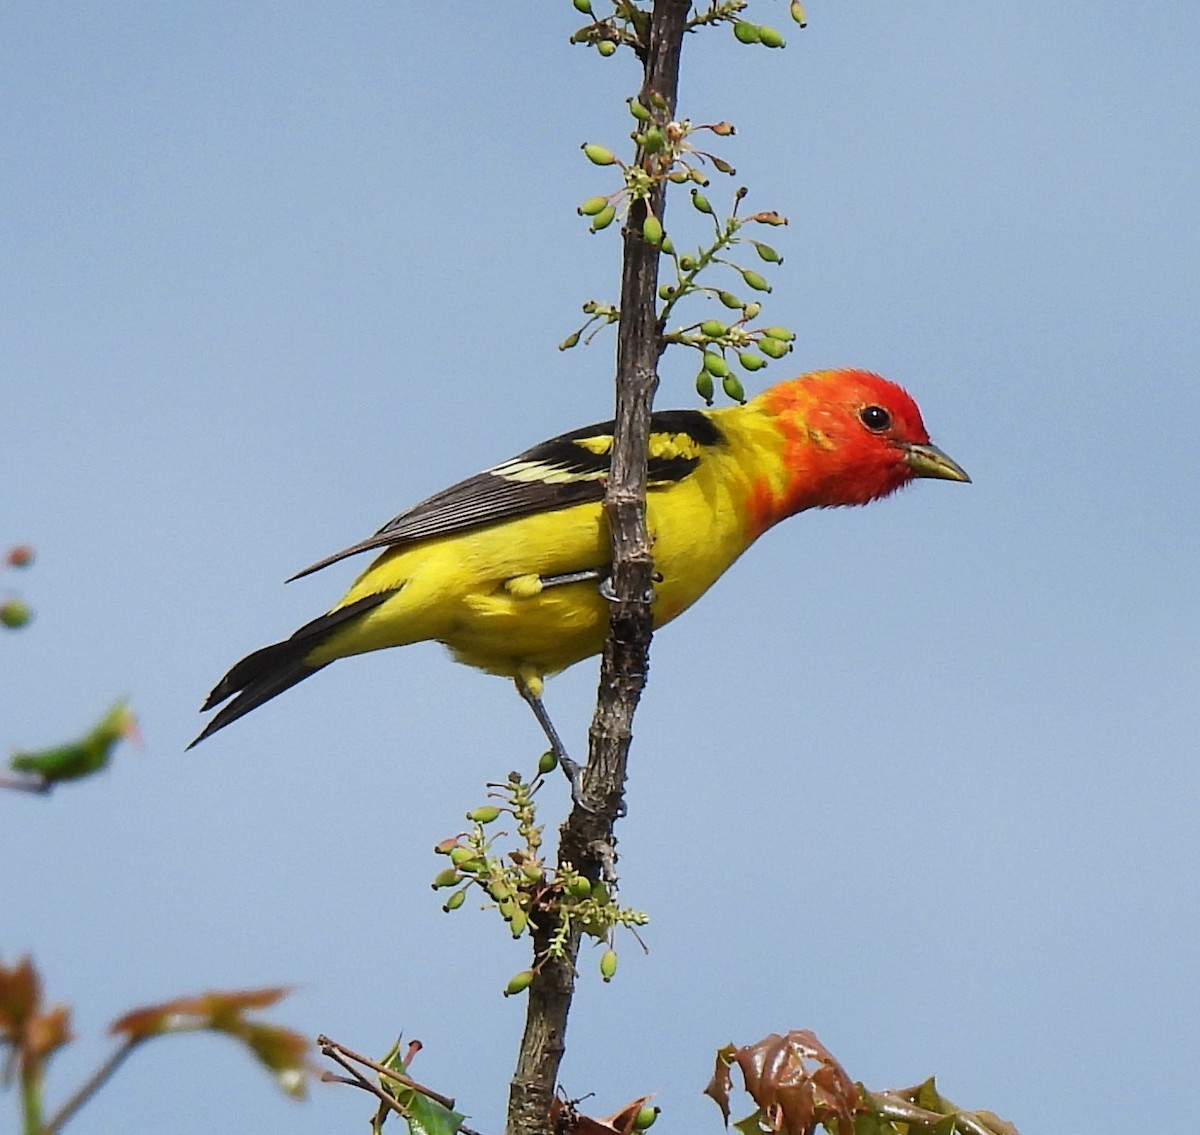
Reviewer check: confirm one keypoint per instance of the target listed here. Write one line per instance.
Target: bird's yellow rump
(506, 568)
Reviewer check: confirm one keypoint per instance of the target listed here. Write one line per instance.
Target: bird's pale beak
(929, 461)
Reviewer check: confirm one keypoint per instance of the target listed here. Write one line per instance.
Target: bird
(509, 568)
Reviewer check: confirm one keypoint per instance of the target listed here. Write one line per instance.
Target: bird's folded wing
(566, 470)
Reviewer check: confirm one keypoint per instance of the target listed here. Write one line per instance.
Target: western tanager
(508, 567)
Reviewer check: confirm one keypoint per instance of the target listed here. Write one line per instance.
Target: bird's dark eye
(875, 418)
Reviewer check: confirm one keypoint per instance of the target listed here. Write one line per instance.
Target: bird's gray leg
(529, 687)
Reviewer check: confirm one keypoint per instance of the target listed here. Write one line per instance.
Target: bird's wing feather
(566, 470)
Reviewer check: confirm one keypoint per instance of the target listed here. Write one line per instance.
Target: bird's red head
(851, 437)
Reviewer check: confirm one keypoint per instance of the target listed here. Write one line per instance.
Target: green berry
(769, 37)
(781, 333)
(14, 614)
(570, 341)
(751, 310)
(668, 246)
(592, 206)
(713, 328)
(454, 901)
(797, 11)
(580, 888)
(730, 301)
(715, 365)
(653, 140)
(767, 253)
(518, 983)
(645, 1118)
(755, 281)
(746, 32)
(638, 111)
(687, 263)
(604, 218)
(665, 291)
(517, 923)
(447, 878)
(701, 202)
(547, 762)
(773, 348)
(598, 155)
(704, 387)
(584, 6)
(652, 230)
(733, 388)
(606, 47)
(751, 362)
(608, 964)
(484, 814)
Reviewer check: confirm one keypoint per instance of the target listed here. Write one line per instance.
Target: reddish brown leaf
(795, 1080)
(48, 1032)
(216, 1010)
(20, 998)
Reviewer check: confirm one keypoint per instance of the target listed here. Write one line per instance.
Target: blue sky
(921, 777)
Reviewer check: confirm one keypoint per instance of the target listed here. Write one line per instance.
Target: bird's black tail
(258, 677)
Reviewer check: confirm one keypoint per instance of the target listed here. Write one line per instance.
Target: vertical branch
(586, 840)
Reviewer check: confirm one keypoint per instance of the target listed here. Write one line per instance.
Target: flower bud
(746, 32)
(598, 155)
(518, 983)
(608, 964)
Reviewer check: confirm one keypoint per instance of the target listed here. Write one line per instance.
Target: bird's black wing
(566, 470)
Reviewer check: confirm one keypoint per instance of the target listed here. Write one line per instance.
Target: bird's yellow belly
(481, 594)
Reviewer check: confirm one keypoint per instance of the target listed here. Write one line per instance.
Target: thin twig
(89, 1087)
